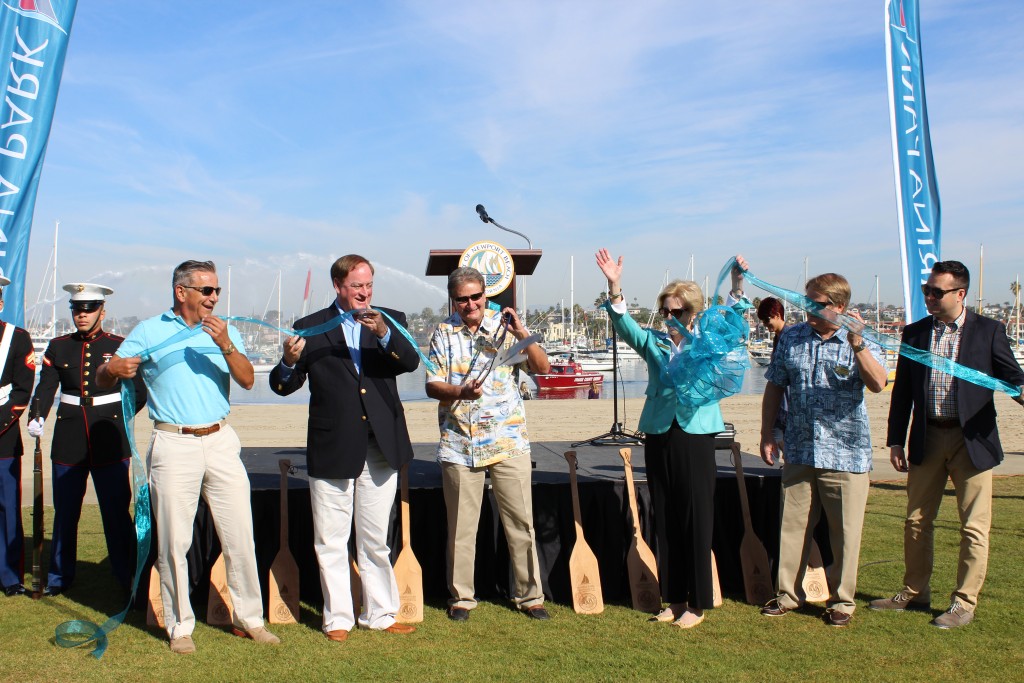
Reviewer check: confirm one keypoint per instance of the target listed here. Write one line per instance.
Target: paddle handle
(626, 455)
(570, 457)
(284, 466)
(741, 484)
(404, 487)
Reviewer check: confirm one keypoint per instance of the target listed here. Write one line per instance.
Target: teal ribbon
(336, 322)
(81, 632)
(890, 343)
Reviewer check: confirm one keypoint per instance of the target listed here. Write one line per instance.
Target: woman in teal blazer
(680, 445)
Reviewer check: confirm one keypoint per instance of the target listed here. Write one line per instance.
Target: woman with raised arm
(680, 444)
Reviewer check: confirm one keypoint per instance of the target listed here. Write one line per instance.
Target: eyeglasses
(469, 297)
(205, 291)
(674, 312)
(357, 286)
(937, 293)
(85, 306)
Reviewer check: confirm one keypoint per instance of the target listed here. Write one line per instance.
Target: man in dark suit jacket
(953, 435)
(356, 441)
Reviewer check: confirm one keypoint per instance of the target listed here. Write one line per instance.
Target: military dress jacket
(19, 372)
(92, 432)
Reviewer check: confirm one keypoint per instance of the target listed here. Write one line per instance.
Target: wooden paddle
(355, 582)
(815, 583)
(757, 575)
(716, 587)
(584, 575)
(218, 607)
(408, 574)
(283, 603)
(155, 604)
(643, 568)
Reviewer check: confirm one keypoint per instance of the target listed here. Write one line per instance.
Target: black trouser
(681, 476)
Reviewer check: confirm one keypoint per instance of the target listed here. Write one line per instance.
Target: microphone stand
(615, 436)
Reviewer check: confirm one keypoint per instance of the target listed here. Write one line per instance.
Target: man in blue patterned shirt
(828, 444)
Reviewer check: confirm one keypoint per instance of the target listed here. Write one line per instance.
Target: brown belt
(943, 422)
(191, 431)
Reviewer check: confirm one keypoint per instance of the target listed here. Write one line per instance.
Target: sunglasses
(937, 293)
(85, 306)
(674, 312)
(469, 297)
(205, 291)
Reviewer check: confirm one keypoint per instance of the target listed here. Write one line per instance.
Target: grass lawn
(735, 643)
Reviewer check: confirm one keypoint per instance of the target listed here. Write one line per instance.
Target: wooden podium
(443, 261)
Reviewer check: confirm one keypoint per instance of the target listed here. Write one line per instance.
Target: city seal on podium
(493, 261)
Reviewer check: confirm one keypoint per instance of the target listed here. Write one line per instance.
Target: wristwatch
(230, 350)
(857, 348)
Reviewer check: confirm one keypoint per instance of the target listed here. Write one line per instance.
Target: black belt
(943, 422)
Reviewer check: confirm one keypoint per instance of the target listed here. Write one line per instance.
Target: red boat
(566, 375)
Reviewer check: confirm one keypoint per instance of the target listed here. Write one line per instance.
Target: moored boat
(566, 375)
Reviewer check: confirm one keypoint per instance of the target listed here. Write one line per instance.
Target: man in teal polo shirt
(191, 356)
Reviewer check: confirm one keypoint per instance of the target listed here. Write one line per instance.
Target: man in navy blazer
(953, 435)
(356, 441)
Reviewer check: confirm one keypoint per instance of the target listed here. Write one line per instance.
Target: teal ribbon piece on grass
(890, 343)
(81, 632)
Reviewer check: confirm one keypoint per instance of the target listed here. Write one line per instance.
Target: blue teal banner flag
(917, 192)
(33, 42)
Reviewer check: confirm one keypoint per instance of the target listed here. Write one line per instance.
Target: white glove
(35, 427)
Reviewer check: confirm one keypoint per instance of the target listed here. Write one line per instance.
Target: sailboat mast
(1016, 308)
(878, 305)
(53, 314)
(981, 276)
(280, 316)
(572, 305)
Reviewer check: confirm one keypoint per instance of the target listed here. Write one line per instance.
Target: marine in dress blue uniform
(88, 439)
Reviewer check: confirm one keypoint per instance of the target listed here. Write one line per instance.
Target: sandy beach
(569, 420)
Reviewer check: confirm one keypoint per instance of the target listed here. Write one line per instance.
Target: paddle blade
(356, 582)
(757, 576)
(585, 580)
(643, 577)
(283, 599)
(815, 583)
(218, 607)
(155, 604)
(716, 587)
(409, 578)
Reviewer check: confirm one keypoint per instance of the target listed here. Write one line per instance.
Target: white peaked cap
(83, 291)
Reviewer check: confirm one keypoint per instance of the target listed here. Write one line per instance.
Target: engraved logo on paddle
(588, 596)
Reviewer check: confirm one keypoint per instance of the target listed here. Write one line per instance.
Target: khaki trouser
(947, 458)
(181, 468)
(463, 496)
(806, 492)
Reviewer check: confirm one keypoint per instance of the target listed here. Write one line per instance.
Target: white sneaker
(689, 619)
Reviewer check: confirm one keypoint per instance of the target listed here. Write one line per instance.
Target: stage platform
(604, 507)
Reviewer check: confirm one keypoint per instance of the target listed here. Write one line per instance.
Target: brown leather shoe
(400, 629)
(183, 645)
(260, 635)
(899, 602)
(338, 636)
(836, 618)
(956, 616)
(774, 608)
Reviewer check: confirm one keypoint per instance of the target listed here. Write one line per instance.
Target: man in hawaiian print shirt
(483, 429)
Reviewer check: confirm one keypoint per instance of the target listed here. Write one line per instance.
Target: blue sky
(278, 136)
